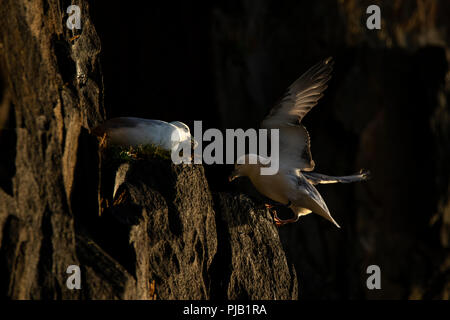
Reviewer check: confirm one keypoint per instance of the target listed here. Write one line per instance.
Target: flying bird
(293, 185)
(130, 131)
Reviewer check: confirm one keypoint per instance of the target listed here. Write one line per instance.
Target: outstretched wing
(294, 148)
(318, 178)
(301, 97)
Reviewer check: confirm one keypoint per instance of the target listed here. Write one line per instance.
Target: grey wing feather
(302, 96)
(131, 122)
(125, 122)
(318, 178)
(295, 150)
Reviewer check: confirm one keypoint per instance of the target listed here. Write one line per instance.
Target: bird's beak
(233, 175)
(318, 205)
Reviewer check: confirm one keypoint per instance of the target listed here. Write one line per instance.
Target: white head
(184, 132)
(248, 165)
(181, 125)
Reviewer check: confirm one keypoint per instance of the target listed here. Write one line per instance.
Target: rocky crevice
(194, 245)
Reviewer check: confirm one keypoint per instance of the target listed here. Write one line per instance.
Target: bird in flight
(293, 185)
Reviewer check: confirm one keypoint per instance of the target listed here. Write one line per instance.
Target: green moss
(118, 154)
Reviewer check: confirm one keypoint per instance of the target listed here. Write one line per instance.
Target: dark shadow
(8, 139)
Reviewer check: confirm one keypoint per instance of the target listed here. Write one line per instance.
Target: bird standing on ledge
(293, 185)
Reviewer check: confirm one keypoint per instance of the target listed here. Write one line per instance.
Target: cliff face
(55, 89)
(193, 245)
(163, 225)
(226, 63)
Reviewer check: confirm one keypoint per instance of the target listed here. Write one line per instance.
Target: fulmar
(293, 185)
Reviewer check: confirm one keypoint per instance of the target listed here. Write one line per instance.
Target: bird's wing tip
(331, 219)
(335, 223)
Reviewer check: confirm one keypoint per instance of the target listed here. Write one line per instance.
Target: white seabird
(293, 185)
(130, 131)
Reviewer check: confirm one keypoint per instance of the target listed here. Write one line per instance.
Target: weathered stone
(252, 260)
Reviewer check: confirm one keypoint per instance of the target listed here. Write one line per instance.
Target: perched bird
(130, 131)
(293, 185)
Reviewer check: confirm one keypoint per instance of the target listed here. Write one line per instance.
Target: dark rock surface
(166, 215)
(225, 63)
(192, 247)
(160, 227)
(252, 260)
(56, 91)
